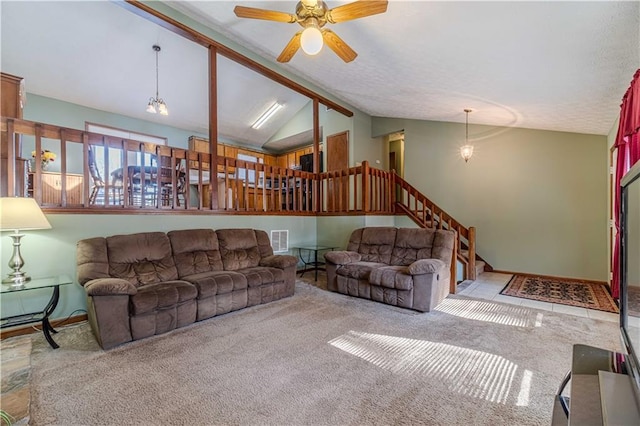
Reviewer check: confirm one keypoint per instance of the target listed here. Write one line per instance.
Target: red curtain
(628, 145)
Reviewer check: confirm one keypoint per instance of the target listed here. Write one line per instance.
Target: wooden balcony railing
(109, 174)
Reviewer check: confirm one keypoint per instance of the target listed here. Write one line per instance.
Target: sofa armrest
(280, 261)
(342, 257)
(109, 287)
(426, 266)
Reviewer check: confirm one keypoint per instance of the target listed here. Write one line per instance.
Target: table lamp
(19, 213)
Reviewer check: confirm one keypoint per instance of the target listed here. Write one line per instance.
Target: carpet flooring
(320, 358)
(584, 294)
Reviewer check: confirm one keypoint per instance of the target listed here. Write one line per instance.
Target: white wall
(537, 198)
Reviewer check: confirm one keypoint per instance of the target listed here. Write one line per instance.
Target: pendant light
(466, 151)
(157, 104)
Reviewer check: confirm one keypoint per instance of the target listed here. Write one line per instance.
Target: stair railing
(427, 214)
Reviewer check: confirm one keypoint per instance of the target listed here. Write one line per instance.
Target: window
(243, 172)
(115, 155)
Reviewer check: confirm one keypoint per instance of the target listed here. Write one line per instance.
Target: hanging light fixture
(466, 151)
(157, 104)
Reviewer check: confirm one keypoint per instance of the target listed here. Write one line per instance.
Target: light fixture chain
(157, 85)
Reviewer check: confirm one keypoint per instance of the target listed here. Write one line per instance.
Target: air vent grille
(280, 241)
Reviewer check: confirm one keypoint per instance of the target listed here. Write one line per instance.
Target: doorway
(337, 159)
(396, 157)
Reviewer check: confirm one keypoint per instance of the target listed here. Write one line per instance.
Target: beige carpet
(320, 358)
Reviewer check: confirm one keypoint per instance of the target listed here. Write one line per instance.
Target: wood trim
(213, 123)
(526, 274)
(29, 329)
(147, 12)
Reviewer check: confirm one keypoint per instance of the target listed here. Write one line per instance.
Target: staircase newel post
(472, 253)
(365, 186)
(453, 283)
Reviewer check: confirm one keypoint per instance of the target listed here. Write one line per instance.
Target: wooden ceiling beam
(145, 11)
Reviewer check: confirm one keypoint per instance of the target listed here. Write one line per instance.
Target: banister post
(453, 283)
(471, 274)
(365, 186)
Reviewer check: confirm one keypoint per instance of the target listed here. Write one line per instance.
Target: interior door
(337, 159)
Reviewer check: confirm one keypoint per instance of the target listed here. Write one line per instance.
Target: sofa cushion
(392, 277)
(412, 244)
(159, 296)
(239, 248)
(358, 270)
(281, 261)
(217, 282)
(143, 258)
(443, 245)
(374, 244)
(342, 257)
(109, 287)
(261, 275)
(426, 266)
(195, 251)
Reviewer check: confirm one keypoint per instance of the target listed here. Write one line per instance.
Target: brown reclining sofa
(143, 284)
(406, 267)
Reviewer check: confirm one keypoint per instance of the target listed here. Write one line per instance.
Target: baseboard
(551, 276)
(28, 329)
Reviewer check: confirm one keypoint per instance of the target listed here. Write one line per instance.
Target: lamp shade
(21, 213)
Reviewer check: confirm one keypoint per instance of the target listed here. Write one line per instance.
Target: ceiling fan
(313, 15)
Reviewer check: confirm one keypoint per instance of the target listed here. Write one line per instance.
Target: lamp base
(17, 279)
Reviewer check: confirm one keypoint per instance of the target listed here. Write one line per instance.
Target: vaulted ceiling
(545, 65)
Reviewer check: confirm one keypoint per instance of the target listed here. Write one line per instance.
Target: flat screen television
(630, 274)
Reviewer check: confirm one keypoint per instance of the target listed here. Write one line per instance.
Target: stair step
(479, 267)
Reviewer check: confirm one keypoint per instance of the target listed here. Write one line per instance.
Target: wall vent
(280, 241)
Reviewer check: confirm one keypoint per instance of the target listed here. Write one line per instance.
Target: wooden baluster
(11, 160)
(37, 180)
(453, 283)
(471, 273)
(85, 169)
(365, 187)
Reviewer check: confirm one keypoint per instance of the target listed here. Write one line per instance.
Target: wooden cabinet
(291, 159)
(199, 145)
(270, 160)
(11, 105)
(281, 161)
(52, 188)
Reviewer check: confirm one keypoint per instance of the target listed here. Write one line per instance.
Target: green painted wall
(537, 198)
(53, 111)
(52, 252)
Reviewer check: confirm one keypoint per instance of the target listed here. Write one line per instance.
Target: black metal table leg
(47, 328)
(303, 262)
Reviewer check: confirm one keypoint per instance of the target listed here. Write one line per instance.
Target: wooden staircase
(426, 214)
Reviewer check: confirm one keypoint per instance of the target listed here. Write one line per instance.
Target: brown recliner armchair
(406, 267)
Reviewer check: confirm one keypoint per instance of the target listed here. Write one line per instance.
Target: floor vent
(280, 241)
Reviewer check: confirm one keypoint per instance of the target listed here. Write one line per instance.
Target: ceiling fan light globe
(311, 40)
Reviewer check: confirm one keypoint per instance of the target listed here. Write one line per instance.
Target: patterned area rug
(565, 292)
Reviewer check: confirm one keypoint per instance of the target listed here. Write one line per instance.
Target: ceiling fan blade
(355, 10)
(338, 45)
(268, 15)
(291, 48)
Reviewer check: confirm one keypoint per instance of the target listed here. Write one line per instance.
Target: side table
(38, 316)
(312, 265)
